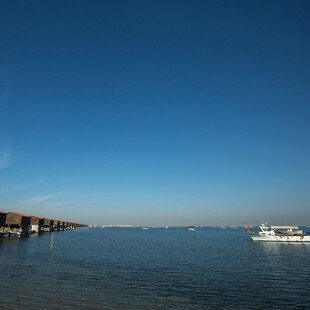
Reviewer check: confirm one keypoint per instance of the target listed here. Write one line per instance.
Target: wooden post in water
(52, 243)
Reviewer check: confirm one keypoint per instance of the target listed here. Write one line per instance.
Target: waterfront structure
(36, 224)
(46, 225)
(56, 225)
(2, 221)
(65, 225)
(53, 226)
(17, 223)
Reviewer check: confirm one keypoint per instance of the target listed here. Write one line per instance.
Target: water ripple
(153, 269)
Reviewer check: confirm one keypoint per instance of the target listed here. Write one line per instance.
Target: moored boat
(191, 228)
(278, 233)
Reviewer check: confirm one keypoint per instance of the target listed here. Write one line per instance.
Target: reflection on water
(152, 269)
(282, 247)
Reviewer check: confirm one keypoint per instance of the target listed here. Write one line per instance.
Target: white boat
(145, 228)
(190, 228)
(278, 233)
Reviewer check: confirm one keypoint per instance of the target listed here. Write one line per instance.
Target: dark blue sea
(131, 268)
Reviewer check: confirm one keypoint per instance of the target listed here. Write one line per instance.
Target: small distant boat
(145, 228)
(278, 233)
(191, 228)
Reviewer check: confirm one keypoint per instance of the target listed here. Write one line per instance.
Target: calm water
(118, 268)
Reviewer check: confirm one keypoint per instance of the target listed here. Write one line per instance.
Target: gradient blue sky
(156, 112)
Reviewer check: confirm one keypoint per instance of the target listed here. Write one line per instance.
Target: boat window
(267, 229)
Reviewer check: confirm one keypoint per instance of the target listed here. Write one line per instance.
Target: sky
(156, 112)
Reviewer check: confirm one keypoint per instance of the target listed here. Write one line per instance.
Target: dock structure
(56, 222)
(46, 225)
(16, 224)
(53, 225)
(2, 221)
(36, 224)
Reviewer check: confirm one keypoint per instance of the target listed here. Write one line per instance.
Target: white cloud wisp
(5, 156)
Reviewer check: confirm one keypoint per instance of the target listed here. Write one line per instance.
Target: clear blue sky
(156, 112)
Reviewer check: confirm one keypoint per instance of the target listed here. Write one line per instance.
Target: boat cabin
(266, 230)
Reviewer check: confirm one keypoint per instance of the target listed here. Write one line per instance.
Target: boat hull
(279, 238)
